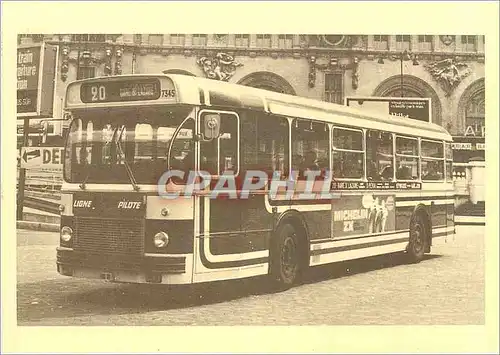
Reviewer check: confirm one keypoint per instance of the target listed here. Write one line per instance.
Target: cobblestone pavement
(446, 288)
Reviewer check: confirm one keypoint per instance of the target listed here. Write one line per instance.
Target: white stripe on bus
(204, 275)
(224, 257)
(359, 239)
(301, 208)
(356, 253)
(424, 202)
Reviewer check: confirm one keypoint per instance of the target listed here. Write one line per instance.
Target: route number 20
(98, 93)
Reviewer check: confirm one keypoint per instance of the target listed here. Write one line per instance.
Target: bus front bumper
(119, 268)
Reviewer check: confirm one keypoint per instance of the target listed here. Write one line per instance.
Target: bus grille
(109, 236)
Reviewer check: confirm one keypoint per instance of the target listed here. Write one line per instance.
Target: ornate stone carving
(360, 41)
(221, 39)
(447, 39)
(333, 64)
(220, 67)
(107, 66)
(449, 73)
(118, 62)
(355, 73)
(64, 63)
(312, 72)
(333, 40)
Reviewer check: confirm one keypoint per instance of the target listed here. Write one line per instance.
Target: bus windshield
(103, 144)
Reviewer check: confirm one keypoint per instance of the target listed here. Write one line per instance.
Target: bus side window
(219, 156)
(264, 144)
(432, 160)
(407, 158)
(379, 155)
(348, 153)
(310, 150)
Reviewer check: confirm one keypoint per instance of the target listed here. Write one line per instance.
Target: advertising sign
(42, 157)
(28, 74)
(369, 213)
(411, 107)
(461, 143)
(468, 146)
(461, 146)
(36, 68)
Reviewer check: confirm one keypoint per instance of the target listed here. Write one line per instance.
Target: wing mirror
(211, 126)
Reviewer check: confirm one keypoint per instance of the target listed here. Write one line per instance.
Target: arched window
(270, 88)
(412, 87)
(407, 92)
(268, 81)
(474, 115)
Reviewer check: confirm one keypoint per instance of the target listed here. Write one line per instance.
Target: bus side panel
(445, 217)
(403, 216)
(450, 212)
(438, 214)
(364, 224)
(318, 224)
(231, 265)
(246, 219)
(450, 216)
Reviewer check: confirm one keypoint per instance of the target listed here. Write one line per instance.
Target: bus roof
(200, 91)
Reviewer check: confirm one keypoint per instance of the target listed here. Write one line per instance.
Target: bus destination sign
(376, 185)
(118, 91)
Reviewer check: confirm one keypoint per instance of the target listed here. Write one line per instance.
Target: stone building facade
(449, 69)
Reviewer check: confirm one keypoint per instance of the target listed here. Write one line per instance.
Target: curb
(470, 224)
(41, 218)
(38, 226)
(470, 220)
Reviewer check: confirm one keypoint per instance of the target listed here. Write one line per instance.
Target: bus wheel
(418, 239)
(285, 257)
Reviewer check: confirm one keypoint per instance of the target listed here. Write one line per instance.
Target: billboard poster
(36, 68)
(363, 214)
(410, 107)
(28, 74)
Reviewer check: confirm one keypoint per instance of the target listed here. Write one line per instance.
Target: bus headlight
(66, 233)
(161, 239)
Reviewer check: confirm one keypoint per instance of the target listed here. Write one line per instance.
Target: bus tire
(285, 257)
(418, 238)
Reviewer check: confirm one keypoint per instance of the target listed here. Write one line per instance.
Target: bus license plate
(108, 276)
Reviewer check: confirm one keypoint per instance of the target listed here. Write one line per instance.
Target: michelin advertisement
(363, 214)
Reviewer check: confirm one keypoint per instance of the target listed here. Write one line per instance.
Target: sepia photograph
(251, 177)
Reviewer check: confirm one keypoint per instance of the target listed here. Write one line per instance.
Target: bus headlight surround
(66, 233)
(161, 239)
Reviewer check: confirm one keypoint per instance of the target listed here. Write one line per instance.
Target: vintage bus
(389, 181)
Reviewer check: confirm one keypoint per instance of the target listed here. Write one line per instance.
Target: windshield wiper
(127, 166)
(82, 185)
(88, 166)
(87, 176)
